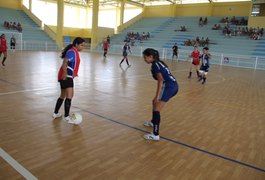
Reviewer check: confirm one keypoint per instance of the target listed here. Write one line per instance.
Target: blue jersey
(126, 48)
(159, 67)
(205, 60)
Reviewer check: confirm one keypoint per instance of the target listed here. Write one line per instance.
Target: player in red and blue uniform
(66, 74)
(167, 87)
(205, 64)
(3, 48)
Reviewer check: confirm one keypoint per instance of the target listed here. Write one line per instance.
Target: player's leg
(190, 70)
(127, 61)
(122, 59)
(197, 70)
(157, 107)
(4, 59)
(59, 103)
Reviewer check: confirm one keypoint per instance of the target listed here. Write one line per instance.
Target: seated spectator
(205, 22)
(216, 27)
(200, 21)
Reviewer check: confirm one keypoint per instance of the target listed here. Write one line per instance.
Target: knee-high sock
(156, 122)
(121, 61)
(67, 105)
(127, 62)
(58, 105)
(4, 59)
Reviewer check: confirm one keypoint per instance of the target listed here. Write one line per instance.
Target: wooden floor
(211, 131)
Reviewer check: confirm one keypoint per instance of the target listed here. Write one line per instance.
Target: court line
(18, 167)
(178, 142)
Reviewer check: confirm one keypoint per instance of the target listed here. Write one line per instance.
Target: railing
(253, 62)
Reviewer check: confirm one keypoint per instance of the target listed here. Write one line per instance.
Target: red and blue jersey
(72, 65)
(3, 46)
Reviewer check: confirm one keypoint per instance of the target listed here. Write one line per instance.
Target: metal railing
(234, 60)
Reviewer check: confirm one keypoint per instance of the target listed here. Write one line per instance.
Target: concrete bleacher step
(31, 31)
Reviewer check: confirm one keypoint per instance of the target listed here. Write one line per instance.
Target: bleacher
(34, 38)
(163, 35)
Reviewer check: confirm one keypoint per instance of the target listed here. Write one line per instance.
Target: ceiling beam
(134, 3)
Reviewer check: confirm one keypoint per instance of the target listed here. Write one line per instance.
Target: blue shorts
(124, 54)
(204, 68)
(168, 92)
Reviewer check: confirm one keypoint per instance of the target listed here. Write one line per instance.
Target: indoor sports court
(211, 131)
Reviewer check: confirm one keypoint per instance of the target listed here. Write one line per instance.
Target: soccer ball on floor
(77, 118)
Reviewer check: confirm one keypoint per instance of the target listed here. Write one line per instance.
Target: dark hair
(206, 48)
(154, 53)
(2, 35)
(76, 41)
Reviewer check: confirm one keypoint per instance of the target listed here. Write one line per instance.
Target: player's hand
(155, 100)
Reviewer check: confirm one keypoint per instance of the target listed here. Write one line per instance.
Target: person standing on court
(205, 64)
(13, 43)
(167, 87)
(195, 55)
(66, 74)
(175, 51)
(105, 48)
(3, 48)
(125, 50)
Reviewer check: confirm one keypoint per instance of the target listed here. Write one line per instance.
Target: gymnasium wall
(204, 9)
(159, 11)
(256, 21)
(13, 4)
(232, 9)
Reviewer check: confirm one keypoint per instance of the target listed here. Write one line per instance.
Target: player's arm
(160, 81)
(64, 67)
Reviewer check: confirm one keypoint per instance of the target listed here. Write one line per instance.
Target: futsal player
(66, 74)
(175, 51)
(167, 87)
(13, 43)
(105, 48)
(195, 55)
(125, 50)
(205, 64)
(3, 48)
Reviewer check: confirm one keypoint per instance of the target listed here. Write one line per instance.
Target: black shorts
(12, 44)
(68, 83)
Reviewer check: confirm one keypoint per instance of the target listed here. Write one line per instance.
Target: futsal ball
(77, 117)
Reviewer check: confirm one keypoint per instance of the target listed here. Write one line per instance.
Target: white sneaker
(148, 124)
(58, 115)
(69, 120)
(151, 136)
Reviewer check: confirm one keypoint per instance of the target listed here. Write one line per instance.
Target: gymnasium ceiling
(115, 3)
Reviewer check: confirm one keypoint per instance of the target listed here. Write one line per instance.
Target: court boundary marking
(177, 142)
(18, 167)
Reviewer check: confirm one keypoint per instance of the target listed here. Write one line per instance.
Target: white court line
(24, 172)
(107, 80)
(27, 90)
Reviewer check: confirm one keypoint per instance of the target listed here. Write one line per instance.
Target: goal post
(18, 37)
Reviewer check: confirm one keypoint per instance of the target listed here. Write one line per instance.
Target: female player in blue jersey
(125, 50)
(205, 64)
(167, 87)
(67, 72)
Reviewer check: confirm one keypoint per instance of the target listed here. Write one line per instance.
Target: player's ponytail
(76, 42)
(154, 53)
(151, 52)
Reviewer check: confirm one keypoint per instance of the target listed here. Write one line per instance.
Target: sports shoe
(69, 120)
(58, 115)
(151, 136)
(148, 124)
